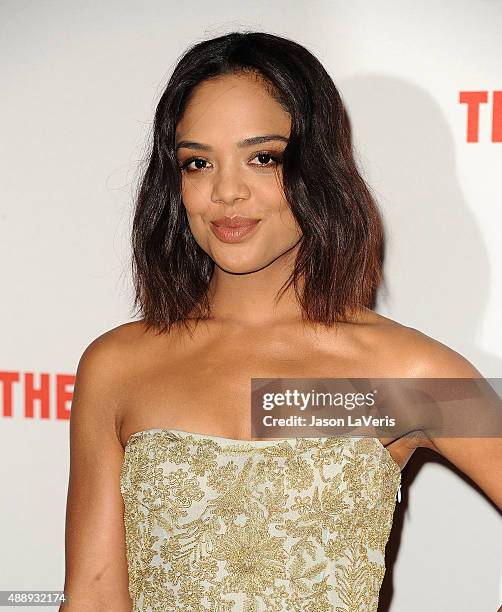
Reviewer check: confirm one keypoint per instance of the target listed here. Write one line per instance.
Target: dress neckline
(259, 443)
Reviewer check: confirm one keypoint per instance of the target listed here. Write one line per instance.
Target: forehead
(229, 107)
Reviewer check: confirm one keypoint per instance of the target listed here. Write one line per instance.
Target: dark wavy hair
(340, 256)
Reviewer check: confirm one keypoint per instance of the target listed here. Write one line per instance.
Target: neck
(249, 300)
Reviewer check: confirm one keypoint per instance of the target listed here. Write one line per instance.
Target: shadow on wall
(437, 268)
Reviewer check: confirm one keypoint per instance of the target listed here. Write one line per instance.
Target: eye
(266, 156)
(184, 166)
(263, 156)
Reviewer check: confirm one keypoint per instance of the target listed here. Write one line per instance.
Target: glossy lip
(234, 233)
(235, 221)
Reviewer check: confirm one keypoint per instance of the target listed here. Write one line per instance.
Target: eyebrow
(247, 142)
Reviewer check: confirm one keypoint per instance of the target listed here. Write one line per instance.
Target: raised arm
(96, 576)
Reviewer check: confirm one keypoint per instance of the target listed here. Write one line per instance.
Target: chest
(205, 384)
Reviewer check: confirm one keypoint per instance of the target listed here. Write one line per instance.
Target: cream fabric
(218, 524)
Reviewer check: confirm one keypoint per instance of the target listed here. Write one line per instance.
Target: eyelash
(277, 159)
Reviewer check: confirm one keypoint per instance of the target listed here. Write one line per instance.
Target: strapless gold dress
(219, 524)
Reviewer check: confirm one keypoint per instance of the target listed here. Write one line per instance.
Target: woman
(257, 253)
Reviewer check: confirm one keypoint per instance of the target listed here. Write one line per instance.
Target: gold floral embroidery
(294, 525)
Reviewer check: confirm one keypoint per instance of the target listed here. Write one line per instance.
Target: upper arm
(480, 458)
(96, 575)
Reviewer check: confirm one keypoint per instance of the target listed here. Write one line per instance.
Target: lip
(236, 221)
(235, 229)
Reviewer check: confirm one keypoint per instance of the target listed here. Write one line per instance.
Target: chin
(239, 265)
(233, 268)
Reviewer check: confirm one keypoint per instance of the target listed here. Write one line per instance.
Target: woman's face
(225, 177)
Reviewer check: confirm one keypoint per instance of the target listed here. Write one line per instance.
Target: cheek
(287, 227)
(283, 217)
(196, 209)
(194, 199)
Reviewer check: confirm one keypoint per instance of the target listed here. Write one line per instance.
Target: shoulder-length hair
(340, 253)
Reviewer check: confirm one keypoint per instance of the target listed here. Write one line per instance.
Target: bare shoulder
(434, 359)
(115, 340)
(406, 352)
(410, 353)
(106, 363)
(480, 458)
(113, 353)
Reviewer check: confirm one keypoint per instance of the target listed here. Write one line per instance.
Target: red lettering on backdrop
(33, 393)
(37, 390)
(6, 381)
(63, 394)
(497, 117)
(473, 99)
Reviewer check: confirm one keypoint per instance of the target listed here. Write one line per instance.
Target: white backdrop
(80, 82)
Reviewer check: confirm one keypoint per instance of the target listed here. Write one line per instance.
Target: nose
(229, 187)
